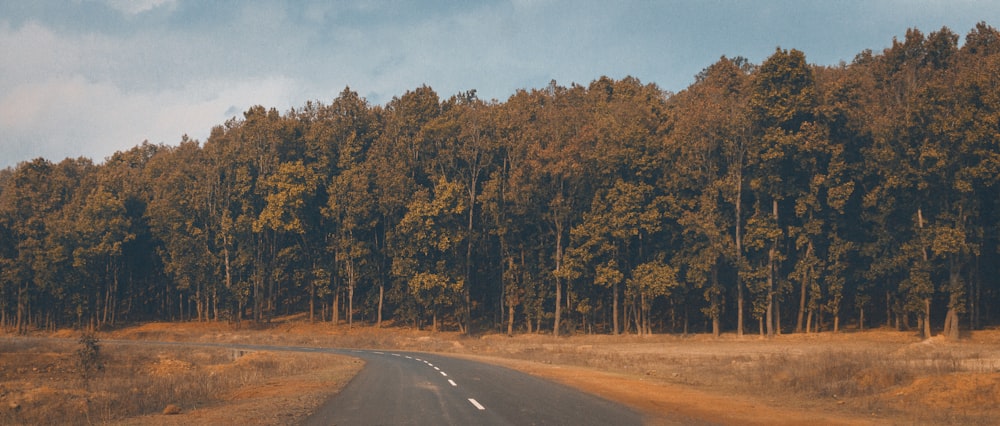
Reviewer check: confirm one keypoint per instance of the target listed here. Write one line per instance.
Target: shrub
(88, 357)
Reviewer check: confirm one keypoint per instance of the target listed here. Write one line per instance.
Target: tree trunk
(510, 320)
(951, 329)
(716, 309)
(769, 313)
(467, 309)
(336, 305)
(927, 318)
(951, 325)
(777, 316)
(687, 320)
(927, 301)
(350, 306)
(802, 293)
(888, 309)
(636, 318)
(614, 309)
(229, 282)
(739, 254)
(381, 299)
(771, 260)
(558, 313)
(976, 290)
(22, 296)
(312, 298)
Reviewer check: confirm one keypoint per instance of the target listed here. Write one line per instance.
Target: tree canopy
(796, 197)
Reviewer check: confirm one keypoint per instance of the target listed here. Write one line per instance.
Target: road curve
(407, 388)
(411, 388)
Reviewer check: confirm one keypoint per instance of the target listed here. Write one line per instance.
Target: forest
(764, 198)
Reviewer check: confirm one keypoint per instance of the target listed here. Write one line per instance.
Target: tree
(559, 158)
(429, 239)
(104, 229)
(711, 137)
(464, 151)
(781, 107)
(349, 208)
(648, 281)
(864, 192)
(509, 205)
(179, 219)
(292, 209)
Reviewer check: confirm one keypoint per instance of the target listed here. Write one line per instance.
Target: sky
(87, 78)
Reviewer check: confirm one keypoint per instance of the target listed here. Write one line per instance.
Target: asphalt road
(411, 388)
(405, 388)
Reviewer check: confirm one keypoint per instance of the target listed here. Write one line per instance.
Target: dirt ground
(871, 377)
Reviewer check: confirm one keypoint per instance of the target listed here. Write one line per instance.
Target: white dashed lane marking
(450, 381)
(476, 404)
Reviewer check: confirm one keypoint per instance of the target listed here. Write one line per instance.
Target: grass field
(871, 377)
(41, 383)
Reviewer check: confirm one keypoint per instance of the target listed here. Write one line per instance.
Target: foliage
(774, 191)
(89, 361)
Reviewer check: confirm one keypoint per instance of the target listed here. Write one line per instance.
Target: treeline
(764, 198)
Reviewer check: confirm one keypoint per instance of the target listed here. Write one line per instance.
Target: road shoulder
(666, 404)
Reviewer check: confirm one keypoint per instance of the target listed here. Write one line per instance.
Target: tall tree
(782, 104)
(710, 135)
(429, 239)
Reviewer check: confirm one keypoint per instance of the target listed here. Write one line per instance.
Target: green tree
(429, 240)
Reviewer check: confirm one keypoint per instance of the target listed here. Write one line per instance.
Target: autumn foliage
(767, 198)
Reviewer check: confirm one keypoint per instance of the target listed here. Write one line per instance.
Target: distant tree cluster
(763, 198)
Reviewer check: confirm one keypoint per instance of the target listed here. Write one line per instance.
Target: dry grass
(40, 381)
(881, 376)
(878, 376)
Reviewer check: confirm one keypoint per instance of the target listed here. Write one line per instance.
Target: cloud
(134, 7)
(69, 94)
(75, 117)
(88, 77)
